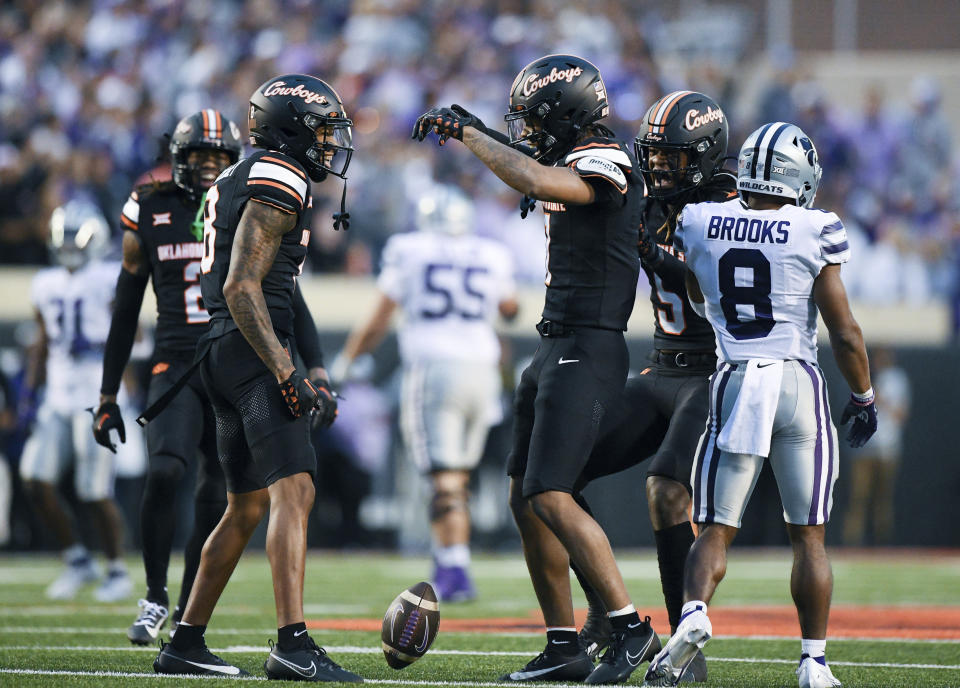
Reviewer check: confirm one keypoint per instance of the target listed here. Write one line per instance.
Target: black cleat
(595, 635)
(551, 665)
(628, 649)
(146, 629)
(199, 661)
(696, 671)
(309, 663)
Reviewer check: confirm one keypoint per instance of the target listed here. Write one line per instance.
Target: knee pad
(164, 473)
(446, 501)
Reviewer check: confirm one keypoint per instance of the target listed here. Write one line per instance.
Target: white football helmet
(78, 234)
(780, 160)
(445, 210)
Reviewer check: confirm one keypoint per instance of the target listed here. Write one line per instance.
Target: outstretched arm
(526, 175)
(366, 337)
(255, 246)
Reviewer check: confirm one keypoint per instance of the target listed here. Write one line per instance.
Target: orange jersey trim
(129, 223)
(279, 185)
(274, 205)
(292, 168)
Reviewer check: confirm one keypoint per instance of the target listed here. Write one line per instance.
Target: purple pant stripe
(697, 502)
(818, 452)
(715, 456)
(827, 431)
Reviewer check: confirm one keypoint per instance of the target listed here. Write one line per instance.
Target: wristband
(863, 399)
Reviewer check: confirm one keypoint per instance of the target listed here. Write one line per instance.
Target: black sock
(158, 520)
(207, 513)
(564, 642)
(292, 637)
(673, 544)
(621, 621)
(188, 637)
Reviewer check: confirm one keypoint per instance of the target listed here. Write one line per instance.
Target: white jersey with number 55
(449, 288)
(756, 270)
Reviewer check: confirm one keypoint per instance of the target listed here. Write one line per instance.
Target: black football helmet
(682, 122)
(201, 130)
(552, 101)
(286, 113)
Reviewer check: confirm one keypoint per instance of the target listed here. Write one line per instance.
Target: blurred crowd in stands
(88, 87)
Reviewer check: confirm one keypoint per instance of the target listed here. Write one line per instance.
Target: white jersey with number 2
(756, 270)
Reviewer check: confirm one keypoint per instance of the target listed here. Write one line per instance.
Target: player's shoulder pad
(144, 191)
(601, 158)
(278, 180)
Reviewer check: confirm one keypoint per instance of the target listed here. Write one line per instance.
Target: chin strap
(341, 220)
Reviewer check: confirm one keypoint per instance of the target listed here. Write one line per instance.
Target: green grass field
(82, 643)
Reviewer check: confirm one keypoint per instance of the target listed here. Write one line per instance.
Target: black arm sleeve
(123, 329)
(670, 266)
(305, 332)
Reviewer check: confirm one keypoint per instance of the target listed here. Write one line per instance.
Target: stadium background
(86, 89)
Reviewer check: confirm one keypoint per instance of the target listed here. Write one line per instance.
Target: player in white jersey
(73, 302)
(450, 286)
(760, 269)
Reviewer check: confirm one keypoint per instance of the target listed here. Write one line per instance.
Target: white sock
(814, 648)
(567, 629)
(693, 606)
(629, 609)
(74, 553)
(454, 555)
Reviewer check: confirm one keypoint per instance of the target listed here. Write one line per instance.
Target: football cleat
(696, 671)
(146, 629)
(812, 674)
(77, 574)
(197, 660)
(594, 637)
(680, 651)
(551, 665)
(115, 587)
(308, 663)
(628, 649)
(453, 584)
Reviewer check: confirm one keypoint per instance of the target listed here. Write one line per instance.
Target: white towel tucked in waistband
(750, 424)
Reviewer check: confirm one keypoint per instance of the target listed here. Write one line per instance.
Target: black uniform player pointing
(255, 240)
(161, 243)
(681, 149)
(590, 191)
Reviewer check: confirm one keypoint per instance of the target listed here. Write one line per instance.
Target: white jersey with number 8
(756, 270)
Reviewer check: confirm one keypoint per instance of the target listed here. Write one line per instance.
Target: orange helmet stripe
(663, 108)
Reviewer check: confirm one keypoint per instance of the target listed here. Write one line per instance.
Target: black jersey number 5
(754, 268)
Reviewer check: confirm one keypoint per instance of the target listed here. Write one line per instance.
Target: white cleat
(74, 577)
(115, 587)
(668, 666)
(813, 674)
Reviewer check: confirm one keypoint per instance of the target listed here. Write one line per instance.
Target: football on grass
(410, 625)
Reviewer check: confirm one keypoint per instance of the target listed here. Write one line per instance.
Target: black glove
(864, 415)
(650, 252)
(303, 396)
(325, 405)
(447, 122)
(526, 205)
(105, 419)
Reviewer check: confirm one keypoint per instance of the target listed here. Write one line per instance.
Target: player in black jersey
(162, 241)
(681, 150)
(255, 237)
(591, 191)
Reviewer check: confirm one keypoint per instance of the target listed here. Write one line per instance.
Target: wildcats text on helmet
(280, 88)
(535, 82)
(694, 119)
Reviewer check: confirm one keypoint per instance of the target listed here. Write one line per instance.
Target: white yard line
(271, 632)
(358, 650)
